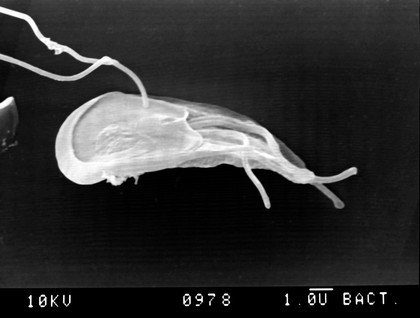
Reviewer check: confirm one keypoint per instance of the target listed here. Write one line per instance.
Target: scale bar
(321, 289)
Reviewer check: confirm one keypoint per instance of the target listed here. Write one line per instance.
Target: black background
(337, 81)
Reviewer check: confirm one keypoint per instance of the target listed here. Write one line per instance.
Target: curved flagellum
(112, 138)
(59, 48)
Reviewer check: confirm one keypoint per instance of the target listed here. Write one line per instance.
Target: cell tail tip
(353, 170)
(339, 204)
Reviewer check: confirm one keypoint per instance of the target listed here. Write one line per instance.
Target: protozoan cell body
(111, 138)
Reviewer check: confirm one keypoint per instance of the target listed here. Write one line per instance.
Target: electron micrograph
(172, 143)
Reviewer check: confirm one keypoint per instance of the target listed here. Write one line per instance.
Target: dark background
(337, 81)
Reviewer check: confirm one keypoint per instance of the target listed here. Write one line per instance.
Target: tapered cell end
(341, 176)
(352, 171)
(338, 204)
(267, 203)
(9, 120)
